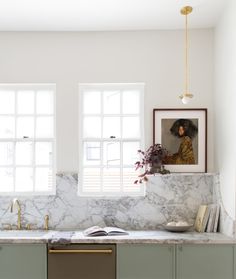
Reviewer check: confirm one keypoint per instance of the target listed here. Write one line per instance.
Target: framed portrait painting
(183, 133)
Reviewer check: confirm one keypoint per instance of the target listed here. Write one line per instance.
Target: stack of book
(207, 219)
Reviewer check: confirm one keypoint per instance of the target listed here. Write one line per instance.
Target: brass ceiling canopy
(186, 10)
(186, 96)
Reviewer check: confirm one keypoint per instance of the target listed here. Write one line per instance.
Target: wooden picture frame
(183, 132)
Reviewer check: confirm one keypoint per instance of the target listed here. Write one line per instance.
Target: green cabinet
(134, 261)
(187, 261)
(23, 261)
(145, 261)
(205, 261)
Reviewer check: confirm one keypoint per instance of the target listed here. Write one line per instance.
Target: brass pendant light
(186, 96)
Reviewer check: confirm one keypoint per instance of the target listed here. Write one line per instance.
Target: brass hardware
(28, 227)
(81, 251)
(185, 11)
(46, 221)
(16, 202)
(188, 95)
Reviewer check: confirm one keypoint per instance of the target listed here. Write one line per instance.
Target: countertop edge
(134, 237)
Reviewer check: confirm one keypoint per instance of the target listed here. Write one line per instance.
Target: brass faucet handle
(46, 222)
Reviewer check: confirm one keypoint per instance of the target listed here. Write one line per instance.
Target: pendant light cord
(186, 95)
(186, 54)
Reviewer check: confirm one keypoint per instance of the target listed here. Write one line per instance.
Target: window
(27, 138)
(111, 132)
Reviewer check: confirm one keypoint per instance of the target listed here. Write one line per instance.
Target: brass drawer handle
(81, 251)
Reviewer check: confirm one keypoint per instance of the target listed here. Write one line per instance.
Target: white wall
(153, 57)
(225, 104)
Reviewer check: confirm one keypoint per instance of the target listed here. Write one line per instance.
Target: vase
(155, 168)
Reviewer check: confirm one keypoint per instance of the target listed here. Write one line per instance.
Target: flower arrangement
(151, 161)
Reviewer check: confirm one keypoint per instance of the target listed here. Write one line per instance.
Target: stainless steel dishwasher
(82, 261)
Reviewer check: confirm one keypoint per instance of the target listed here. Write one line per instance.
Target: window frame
(101, 87)
(34, 87)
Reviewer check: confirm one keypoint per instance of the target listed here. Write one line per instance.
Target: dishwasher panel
(82, 261)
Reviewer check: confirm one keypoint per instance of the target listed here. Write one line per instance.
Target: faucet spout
(15, 202)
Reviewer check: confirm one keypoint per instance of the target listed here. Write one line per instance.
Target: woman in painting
(186, 130)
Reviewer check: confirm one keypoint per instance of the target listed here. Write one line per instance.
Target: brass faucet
(16, 202)
(46, 221)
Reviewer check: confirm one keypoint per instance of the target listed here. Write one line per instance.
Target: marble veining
(168, 197)
(161, 237)
(154, 237)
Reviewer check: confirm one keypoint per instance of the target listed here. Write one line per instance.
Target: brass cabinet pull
(81, 251)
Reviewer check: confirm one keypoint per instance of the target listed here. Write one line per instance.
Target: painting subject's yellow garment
(185, 155)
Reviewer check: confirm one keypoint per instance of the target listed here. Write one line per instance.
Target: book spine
(210, 220)
(216, 219)
(205, 219)
(200, 216)
(210, 226)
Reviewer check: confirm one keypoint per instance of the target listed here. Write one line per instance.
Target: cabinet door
(23, 261)
(205, 261)
(145, 261)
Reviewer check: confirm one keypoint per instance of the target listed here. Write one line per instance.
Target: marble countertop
(24, 236)
(158, 237)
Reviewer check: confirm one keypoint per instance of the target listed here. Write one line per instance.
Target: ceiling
(105, 15)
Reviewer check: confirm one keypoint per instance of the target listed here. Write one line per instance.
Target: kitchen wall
(153, 57)
(225, 100)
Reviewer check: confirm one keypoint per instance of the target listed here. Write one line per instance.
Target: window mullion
(101, 145)
(15, 140)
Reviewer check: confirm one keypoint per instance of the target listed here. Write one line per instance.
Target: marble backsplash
(227, 224)
(168, 197)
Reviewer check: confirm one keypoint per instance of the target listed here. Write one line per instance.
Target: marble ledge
(185, 174)
(134, 237)
(172, 174)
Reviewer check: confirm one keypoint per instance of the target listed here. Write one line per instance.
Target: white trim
(28, 194)
(26, 140)
(33, 159)
(100, 87)
(80, 129)
(35, 87)
(101, 143)
(111, 86)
